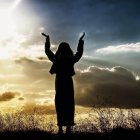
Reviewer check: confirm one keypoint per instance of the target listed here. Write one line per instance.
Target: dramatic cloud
(105, 22)
(115, 87)
(125, 55)
(133, 47)
(7, 96)
(93, 86)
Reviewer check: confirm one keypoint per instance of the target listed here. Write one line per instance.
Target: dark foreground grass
(104, 123)
(117, 134)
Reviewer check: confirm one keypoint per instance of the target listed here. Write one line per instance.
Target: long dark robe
(64, 98)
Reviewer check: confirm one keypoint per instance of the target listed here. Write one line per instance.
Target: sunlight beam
(14, 5)
(7, 25)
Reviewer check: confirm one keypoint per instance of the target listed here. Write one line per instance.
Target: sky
(107, 75)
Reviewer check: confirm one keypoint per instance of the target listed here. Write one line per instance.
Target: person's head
(64, 50)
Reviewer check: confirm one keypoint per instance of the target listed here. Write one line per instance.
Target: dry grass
(98, 120)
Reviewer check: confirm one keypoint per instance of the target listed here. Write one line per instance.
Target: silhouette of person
(63, 66)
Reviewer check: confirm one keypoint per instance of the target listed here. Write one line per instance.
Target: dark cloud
(7, 96)
(111, 87)
(106, 22)
(116, 87)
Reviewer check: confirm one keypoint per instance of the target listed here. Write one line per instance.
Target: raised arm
(48, 52)
(80, 49)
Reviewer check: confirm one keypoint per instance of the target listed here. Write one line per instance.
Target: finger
(82, 36)
(44, 35)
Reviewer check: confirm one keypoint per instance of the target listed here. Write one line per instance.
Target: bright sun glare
(7, 25)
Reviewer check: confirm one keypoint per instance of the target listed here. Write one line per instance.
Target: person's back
(63, 66)
(64, 61)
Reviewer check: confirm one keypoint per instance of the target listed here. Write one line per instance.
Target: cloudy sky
(108, 73)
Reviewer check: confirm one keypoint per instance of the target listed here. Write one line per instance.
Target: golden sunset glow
(13, 45)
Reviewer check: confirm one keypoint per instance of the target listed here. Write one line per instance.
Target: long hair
(64, 51)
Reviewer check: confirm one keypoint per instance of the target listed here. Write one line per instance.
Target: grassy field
(101, 123)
